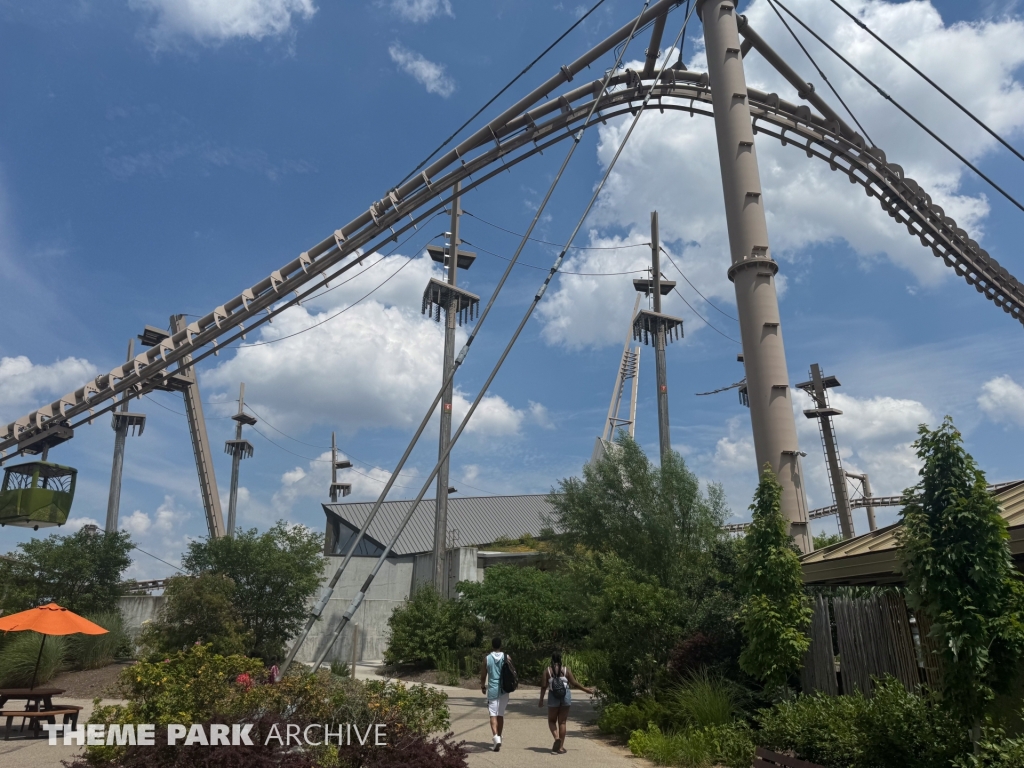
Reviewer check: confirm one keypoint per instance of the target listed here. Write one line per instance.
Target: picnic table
(39, 706)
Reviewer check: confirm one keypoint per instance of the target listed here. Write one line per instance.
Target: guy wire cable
(901, 108)
(821, 73)
(358, 599)
(927, 79)
(496, 96)
(329, 590)
(706, 300)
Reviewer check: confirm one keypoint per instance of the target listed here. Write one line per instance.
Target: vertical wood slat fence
(873, 638)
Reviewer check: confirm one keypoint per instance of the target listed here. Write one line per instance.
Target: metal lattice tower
(461, 306)
(237, 449)
(122, 423)
(818, 388)
(628, 370)
(663, 329)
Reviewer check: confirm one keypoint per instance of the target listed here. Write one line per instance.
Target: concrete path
(526, 740)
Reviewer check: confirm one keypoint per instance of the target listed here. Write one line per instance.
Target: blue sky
(158, 156)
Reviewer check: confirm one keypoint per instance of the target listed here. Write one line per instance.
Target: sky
(159, 156)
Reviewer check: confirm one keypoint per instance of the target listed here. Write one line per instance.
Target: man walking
(490, 685)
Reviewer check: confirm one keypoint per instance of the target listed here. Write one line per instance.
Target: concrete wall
(397, 579)
(138, 609)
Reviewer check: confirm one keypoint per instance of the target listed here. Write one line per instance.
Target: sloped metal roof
(473, 521)
(872, 558)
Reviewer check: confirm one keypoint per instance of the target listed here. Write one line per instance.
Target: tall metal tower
(237, 449)
(121, 422)
(817, 388)
(457, 305)
(753, 269)
(628, 370)
(865, 492)
(338, 489)
(648, 324)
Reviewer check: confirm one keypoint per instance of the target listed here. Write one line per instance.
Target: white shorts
(496, 707)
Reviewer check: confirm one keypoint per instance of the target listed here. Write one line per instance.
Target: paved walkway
(526, 740)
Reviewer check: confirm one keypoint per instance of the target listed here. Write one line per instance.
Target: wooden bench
(68, 713)
(764, 758)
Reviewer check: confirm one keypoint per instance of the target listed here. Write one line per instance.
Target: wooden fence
(855, 639)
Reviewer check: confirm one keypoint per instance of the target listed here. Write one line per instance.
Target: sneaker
(556, 746)
(497, 743)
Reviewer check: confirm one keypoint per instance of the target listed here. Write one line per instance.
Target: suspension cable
(901, 108)
(548, 242)
(346, 617)
(928, 80)
(496, 96)
(563, 272)
(821, 73)
(328, 591)
(706, 300)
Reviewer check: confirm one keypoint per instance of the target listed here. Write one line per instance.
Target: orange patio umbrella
(48, 619)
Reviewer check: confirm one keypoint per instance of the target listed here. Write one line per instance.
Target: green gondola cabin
(37, 494)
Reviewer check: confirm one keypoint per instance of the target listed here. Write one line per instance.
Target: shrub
(95, 651)
(730, 745)
(775, 613)
(340, 669)
(620, 720)
(198, 609)
(994, 751)
(447, 665)
(893, 729)
(704, 700)
(428, 626)
(18, 660)
(418, 708)
(587, 666)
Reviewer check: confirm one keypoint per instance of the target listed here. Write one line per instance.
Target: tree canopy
(956, 557)
(274, 574)
(81, 571)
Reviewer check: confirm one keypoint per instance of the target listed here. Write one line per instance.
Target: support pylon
(237, 449)
(629, 370)
(817, 388)
(865, 492)
(457, 305)
(662, 328)
(753, 269)
(121, 422)
(338, 489)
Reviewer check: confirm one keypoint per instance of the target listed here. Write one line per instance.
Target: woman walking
(558, 683)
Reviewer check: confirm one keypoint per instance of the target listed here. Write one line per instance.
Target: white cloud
(215, 21)
(376, 366)
(1002, 400)
(429, 74)
(671, 165)
(24, 385)
(77, 523)
(419, 11)
(540, 416)
(137, 523)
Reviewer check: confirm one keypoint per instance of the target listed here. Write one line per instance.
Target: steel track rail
(520, 138)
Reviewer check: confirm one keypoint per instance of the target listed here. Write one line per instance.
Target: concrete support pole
(664, 433)
(753, 270)
(236, 460)
(871, 507)
(441, 517)
(116, 471)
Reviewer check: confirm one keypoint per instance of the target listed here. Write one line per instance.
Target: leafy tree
(426, 626)
(655, 519)
(955, 553)
(80, 571)
(822, 540)
(775, 614)
(275, 574)
(199, 610)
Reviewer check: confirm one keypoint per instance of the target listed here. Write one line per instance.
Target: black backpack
(508, 680)
(557, 685)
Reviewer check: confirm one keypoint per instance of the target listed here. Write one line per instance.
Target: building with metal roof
(473, 521)
(874, 557)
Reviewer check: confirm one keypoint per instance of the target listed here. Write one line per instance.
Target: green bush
(620, 720)
(428, 626)
(704, 700)
(729, 745)
(587, 666)
(893, 729)
(95, 651)
(20, 652)
(340, 669)
(447, 664)
(995, 750)
(201, 610)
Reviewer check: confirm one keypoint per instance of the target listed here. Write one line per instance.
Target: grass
(340, 669)
(705, 700)
(447, 664)
(18, 660)
(95, 651)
